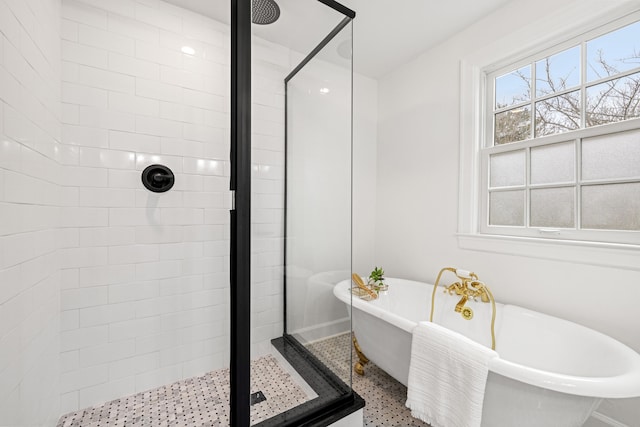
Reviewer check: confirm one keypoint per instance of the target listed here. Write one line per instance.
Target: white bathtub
(550, 372)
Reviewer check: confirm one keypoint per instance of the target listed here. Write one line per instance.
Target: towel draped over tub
(447, 377)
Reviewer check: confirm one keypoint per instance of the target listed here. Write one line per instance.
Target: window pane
(506, 208)
(558, 114)
(507, 169)
(513, 125)
(611, 156)
(613, 207)
(513, 88)
(552, 164)
(558, 72)
(614, 52)
(614, 101)
(553, 207)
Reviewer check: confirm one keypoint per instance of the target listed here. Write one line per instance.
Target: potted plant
(376, 280)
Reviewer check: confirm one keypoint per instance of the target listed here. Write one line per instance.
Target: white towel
(447, 377)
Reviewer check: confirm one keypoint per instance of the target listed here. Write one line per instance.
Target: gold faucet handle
(480, 289)
(455, 288)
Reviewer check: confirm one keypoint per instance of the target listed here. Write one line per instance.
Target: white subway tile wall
(31, 198)
(270, 65)
(145, 276)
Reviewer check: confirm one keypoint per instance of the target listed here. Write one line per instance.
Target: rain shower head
(264, 12)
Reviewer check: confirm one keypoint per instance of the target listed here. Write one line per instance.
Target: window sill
(591, 253)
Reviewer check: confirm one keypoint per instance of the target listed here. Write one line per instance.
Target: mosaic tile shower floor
(195, 402)
(203, 401)
(384, 396)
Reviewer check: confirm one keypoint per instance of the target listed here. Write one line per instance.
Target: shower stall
(129, 130)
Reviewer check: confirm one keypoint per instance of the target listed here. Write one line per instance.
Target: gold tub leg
(363, 360)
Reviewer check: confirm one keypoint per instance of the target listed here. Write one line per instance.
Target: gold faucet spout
(461, 303)
(469, 286)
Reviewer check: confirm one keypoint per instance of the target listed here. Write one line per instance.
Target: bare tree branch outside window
(613, 100)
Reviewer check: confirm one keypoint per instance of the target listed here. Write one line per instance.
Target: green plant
(376, 278)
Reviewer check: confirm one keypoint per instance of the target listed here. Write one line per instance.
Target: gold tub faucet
(468, 286)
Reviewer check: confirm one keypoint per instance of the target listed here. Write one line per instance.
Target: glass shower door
(318, 224)
(301, 215)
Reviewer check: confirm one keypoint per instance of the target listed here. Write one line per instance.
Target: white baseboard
(328, 329)
(354, 420)
(607, 420)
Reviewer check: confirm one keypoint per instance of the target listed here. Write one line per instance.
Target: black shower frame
(240, 215)
(240, 245)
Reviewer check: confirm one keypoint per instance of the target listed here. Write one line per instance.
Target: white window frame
(474, 132)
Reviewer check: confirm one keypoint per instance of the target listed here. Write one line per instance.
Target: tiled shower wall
(145, 276)
(270, 64)
(32, 204)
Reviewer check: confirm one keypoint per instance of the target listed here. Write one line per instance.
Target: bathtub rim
(624, 385)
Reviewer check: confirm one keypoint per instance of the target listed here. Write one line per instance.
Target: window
(561, 151)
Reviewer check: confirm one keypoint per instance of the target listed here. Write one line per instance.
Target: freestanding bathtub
(550, 372)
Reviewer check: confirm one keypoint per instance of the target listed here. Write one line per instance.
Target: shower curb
(335, 399)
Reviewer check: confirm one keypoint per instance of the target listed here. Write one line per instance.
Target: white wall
(145, 275)
(270, 64)
(417, 197)
(365, 163)
(31, 205)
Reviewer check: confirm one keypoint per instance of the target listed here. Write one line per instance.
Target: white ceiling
(387, 33)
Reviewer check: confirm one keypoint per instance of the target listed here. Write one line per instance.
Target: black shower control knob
(158, 178)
